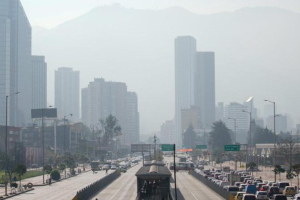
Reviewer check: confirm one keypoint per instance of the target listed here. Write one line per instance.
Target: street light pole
(274, 154)
(250, 142)
(6, 134)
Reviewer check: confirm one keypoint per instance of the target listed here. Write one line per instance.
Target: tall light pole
(6, 134)
(250, 143)
(65, 131)
(274, 155)
(43, 143)
(234, 128)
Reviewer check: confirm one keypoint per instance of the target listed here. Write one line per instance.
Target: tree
(20, 170)
(47, 169)
(219, 136)
(7, 163)
(278, 170)
(189, 137)
(262, 136)
(296, 169)
(70, 162)
(288, 149)
(290, 175)
(61, 167)
(110, 129)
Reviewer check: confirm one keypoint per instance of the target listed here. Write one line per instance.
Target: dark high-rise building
(185, 60)
(39, 82)
(205, 87)
(15, 62)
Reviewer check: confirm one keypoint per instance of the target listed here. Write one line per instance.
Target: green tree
(8, 163)
(61, 167)
(290, 175)
(47, 169)
(189, 137)
(262, 135)
(109, 129)
(219, 136)
(70, 162)
(20, 170)
(278, 170)
(296, 169)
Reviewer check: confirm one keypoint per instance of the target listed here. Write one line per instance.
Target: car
(264, 188)
(250, 189)
(113, 167)
(105, 167)
(261, 195)
(239, 196)
(242, 187)
(34, 166)
(232, 190)
(259, 186)
(270, 183)
(249, 197)
(289, 191)
(279, 197)
(282, 185)
(272, 191)
(223, 183)
(123, 169)
(237, 184)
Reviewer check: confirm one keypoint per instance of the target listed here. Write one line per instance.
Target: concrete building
(167, 132)
(205, 87)
(67, 92)
(220, 111)
(102, 98)
(281, 123)
(132, 119)
(191, 116)
(15, 63)
(39, 82)
(84, 105)
(185, 60)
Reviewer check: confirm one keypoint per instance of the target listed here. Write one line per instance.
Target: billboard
(141, 147)
(47, 112)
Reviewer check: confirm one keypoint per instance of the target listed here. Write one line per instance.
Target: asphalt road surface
(63, 190)
(124, 188)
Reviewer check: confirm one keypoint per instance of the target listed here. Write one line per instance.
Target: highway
(124, 188)
(63, 190)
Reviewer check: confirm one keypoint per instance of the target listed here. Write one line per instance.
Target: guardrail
(95, 187)
(223, 193)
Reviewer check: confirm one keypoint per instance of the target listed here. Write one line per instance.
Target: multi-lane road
(63, 190)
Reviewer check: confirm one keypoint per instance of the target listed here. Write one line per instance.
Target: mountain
(257, 53)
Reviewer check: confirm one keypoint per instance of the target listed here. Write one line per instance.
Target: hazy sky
(50, 13)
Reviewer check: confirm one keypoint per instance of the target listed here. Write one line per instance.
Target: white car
(113, 167)
(261, 195)
(249, 197)
(105, 167)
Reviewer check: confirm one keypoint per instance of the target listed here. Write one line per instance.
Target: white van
(282, 185)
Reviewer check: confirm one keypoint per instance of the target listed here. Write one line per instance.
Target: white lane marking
(187, 187)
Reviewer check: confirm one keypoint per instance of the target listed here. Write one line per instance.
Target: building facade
(185, 60)
(67, 91)
(39, 82)
(103, 98)
(15, 63)
(205, 87)
(167, 132)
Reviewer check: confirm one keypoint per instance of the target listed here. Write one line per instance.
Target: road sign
(167, 147)
(141, 147)
(234, 147)
(198, 146)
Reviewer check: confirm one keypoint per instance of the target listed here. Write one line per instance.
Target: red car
(264, 188)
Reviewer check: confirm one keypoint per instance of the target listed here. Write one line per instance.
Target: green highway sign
(198, 146)
(232, 147)
(167, 147)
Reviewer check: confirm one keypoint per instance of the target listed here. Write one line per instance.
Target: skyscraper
(132, 119)
(102, 98)
(205, 87)
(39, 82)
(185, 60)
(15, 62)
(67, 92)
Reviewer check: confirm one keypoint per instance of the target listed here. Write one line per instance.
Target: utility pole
(6, 137)
(154, 147)
(274, 154)
(250, 143)
(43, 145)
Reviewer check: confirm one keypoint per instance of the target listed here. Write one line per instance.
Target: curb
(18, 194)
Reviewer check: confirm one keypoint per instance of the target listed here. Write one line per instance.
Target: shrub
(15, 185)
(55, 175)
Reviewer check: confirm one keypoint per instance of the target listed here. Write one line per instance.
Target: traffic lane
(125, 187)
(63, 190)
(191, 188)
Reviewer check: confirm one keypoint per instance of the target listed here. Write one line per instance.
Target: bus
(182, 166)
(95, 165)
